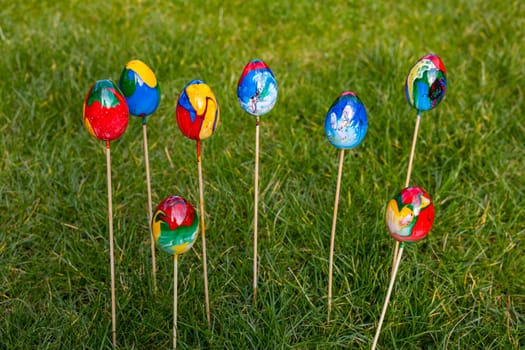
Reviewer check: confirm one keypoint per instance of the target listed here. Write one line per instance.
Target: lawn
(462, 287)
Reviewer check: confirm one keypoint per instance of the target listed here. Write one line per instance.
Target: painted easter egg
(197, 111)
(140, 87)
(346, 122)
(410, 214)
(426, 83)
(257, 88)
(105, 111)
(175, 225)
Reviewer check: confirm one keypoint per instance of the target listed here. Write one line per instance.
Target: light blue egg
(346, 122)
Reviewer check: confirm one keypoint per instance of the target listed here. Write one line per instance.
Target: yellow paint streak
(155, 226)
(181, 249)
(197, 94)
(209, 120)
(145, 72)
(89, 127)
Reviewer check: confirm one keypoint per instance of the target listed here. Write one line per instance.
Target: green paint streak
(103, 93)
(127, 85)
(183, 234)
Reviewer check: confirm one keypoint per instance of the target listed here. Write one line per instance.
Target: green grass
(461, 288)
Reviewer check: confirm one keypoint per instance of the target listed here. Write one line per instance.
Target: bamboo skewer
(111, 248)
(387, 298)
(332, 236)
(175, 287)
(150, 206)
(409, 172)
(203, 234)
(255, 210)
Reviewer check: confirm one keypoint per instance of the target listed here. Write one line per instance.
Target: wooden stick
(111, 249)
(334, 224)
(409, 172)
(203, 231)
(255, 209)
(175, 286)
(387, 299)
(413, 149)
(150, 207)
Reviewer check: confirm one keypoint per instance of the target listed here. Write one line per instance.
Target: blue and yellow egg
(140, 88)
